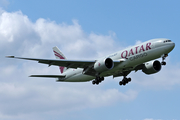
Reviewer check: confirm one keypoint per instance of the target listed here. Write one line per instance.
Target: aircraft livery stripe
(61, 57)
(58, 55)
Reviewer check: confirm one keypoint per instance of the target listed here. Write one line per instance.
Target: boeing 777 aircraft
(121, 63)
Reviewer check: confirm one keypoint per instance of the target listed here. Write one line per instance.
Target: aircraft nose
(172, 45)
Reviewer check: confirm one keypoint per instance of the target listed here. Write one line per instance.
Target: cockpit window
(167, 41)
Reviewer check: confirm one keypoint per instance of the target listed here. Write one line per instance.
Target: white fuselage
(133, 56)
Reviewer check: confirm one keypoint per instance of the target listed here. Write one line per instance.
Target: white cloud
(23, 96)
(138, 42)
(47, 97)
(164, 79)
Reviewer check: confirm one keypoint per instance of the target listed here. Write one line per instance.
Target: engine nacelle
(103, 65)
(152, 67)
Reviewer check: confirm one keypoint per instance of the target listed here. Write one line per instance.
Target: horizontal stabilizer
(49, 76)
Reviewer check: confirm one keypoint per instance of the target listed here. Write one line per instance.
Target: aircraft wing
(61, 62)
(86, 65)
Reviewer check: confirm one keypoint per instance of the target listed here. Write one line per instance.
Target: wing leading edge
(65, 62)
(86, 65)
(60, 62)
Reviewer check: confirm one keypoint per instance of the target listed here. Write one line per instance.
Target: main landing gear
(163, 58)
(125, 81)
(97, 80)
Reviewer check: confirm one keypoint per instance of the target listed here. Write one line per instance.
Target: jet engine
(103, 65)
(152, 67)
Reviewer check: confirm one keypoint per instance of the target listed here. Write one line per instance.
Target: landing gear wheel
(97, 80)
(102, 78)
(163, 63)
(93, 82)
(97, 83)
(125, 81)
(129, 79)
(120, 83)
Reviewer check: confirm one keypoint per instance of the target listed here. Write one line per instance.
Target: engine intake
(152, 67)
(104, 65)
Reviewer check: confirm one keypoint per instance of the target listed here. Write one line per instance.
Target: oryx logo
(60, 57)
(99, 64)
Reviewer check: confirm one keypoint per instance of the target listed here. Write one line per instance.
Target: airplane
(139, 57)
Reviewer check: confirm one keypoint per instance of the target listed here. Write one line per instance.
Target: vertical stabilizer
(58, 54)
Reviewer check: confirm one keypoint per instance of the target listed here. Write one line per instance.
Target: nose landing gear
(163, 58)
(163, 63)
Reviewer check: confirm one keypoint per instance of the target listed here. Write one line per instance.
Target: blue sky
(86, 30)
(151, 19)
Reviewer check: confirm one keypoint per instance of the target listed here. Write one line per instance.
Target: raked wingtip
(10, 57)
